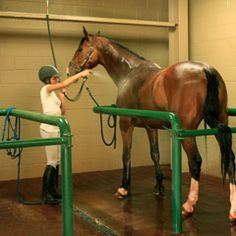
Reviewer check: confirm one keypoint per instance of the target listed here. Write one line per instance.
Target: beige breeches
(53, 153)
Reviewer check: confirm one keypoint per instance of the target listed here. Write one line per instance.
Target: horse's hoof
(121, 193)
(119, 196)
(159, 191)
(232, 220)
(186, 214)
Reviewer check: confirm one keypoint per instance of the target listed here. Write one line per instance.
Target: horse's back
(180, 88)
(186, 88)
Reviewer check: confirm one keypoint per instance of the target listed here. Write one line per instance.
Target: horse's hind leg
(126, 133)
(232, 212)
(154, 151)
(224, 138)
(194, 162)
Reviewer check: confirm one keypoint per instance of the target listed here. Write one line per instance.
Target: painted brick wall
(213, 40)
(24, 47)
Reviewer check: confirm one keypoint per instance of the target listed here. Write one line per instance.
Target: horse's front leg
(194, 161)
(154, 151)
(126, 133)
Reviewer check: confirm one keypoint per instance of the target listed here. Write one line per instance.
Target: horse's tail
(212, 118)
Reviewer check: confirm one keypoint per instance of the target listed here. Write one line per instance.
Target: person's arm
(68, 81)
(63, 104)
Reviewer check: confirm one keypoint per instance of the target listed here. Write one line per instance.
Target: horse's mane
(82, 40)
(118, 44)
(127, 49)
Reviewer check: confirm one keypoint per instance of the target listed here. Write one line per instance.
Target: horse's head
(86, 56)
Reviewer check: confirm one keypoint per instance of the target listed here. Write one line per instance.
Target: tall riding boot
(48, 176)
(54, 191)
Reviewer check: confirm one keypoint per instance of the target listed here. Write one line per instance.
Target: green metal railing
(177, 135)
(65, 142)
(66, 168)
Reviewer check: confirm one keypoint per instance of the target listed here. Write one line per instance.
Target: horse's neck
(118, 63)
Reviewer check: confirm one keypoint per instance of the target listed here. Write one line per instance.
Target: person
(53, 105)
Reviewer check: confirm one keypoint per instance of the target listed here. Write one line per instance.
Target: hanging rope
(49, 34)
(50, 41)
(13, 132)
(112, 126)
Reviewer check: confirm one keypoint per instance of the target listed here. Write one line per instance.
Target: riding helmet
(47, 71)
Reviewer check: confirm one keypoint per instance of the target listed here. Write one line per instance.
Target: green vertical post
(176, 185)
(176, 174)
(67, 206)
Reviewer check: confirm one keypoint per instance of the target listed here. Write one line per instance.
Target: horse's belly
(155, 124)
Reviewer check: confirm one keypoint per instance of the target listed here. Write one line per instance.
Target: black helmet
(47, 71)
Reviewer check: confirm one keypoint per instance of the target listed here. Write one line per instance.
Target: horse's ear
(85, 32)
(98, 33)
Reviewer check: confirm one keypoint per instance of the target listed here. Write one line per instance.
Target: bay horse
(194, 91)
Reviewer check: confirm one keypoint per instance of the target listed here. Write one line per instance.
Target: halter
(86, 60)
(77, 70)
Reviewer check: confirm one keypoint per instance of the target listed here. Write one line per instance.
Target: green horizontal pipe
(42, 118)
(122, 111)
(165, 116)
(200, 132)
(232, 111)
(32, 143)
(161, 115)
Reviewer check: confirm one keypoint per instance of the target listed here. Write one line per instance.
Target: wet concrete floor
(98, 212)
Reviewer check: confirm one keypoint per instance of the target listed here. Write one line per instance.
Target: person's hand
(81, 74)
(85, 73)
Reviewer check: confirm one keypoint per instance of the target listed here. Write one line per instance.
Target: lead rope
(15, 152)
(77, 96)
(112, 126)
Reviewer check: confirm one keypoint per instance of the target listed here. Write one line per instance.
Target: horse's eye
(80, 49)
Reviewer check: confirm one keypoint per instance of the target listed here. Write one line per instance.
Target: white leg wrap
(122, 191)
(232, 189)
(192, 196)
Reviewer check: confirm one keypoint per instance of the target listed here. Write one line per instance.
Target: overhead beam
(53, 17)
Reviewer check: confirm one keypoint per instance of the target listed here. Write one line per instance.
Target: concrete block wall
(212, 40)
(24, 47)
